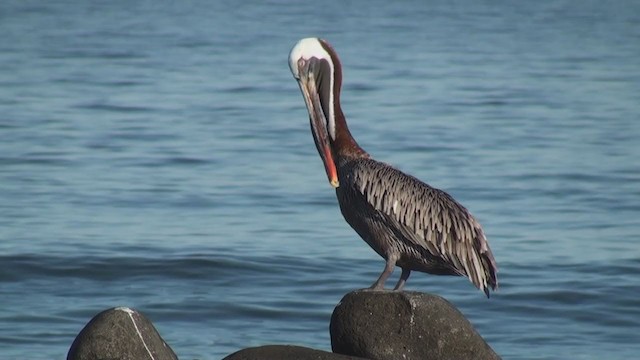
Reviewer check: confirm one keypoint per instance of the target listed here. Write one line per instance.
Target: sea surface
(157, 155)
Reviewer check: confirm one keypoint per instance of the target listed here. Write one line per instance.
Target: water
(158, 156)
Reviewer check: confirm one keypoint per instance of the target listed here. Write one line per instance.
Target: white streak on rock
(135, 325)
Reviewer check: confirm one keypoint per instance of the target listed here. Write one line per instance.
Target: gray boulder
(285, 352)
(120, 333)
(404, 325)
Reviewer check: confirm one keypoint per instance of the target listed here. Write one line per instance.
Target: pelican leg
(388, 270)
(403, 279)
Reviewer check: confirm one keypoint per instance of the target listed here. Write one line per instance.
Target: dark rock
(404, 325)
(120, 333)
(285, 352)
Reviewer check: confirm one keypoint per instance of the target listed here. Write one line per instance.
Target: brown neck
(345, 145)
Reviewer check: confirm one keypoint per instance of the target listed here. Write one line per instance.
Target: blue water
(158, 156)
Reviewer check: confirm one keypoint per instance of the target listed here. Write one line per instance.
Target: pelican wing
(427, 217)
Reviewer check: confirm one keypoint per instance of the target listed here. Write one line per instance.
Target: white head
(306, 49)
(306, 59)
(315, 65)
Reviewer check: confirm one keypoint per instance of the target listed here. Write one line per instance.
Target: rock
(285, 352)
(120, 333)
(404, 325)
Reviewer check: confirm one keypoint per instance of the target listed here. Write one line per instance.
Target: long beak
(317, 117)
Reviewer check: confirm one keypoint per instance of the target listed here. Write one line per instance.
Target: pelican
(410, 224)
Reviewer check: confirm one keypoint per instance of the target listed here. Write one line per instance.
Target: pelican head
(316, 67)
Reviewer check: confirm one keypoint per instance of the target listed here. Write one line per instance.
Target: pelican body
(409, 223)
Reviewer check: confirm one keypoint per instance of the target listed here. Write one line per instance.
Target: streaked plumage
(409, 223)
(424, 228)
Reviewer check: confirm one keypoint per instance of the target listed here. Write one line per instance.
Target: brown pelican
(409, 223)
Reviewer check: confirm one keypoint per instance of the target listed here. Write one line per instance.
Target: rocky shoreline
(365, 325)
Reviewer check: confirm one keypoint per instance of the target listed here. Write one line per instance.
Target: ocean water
(158, 156)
